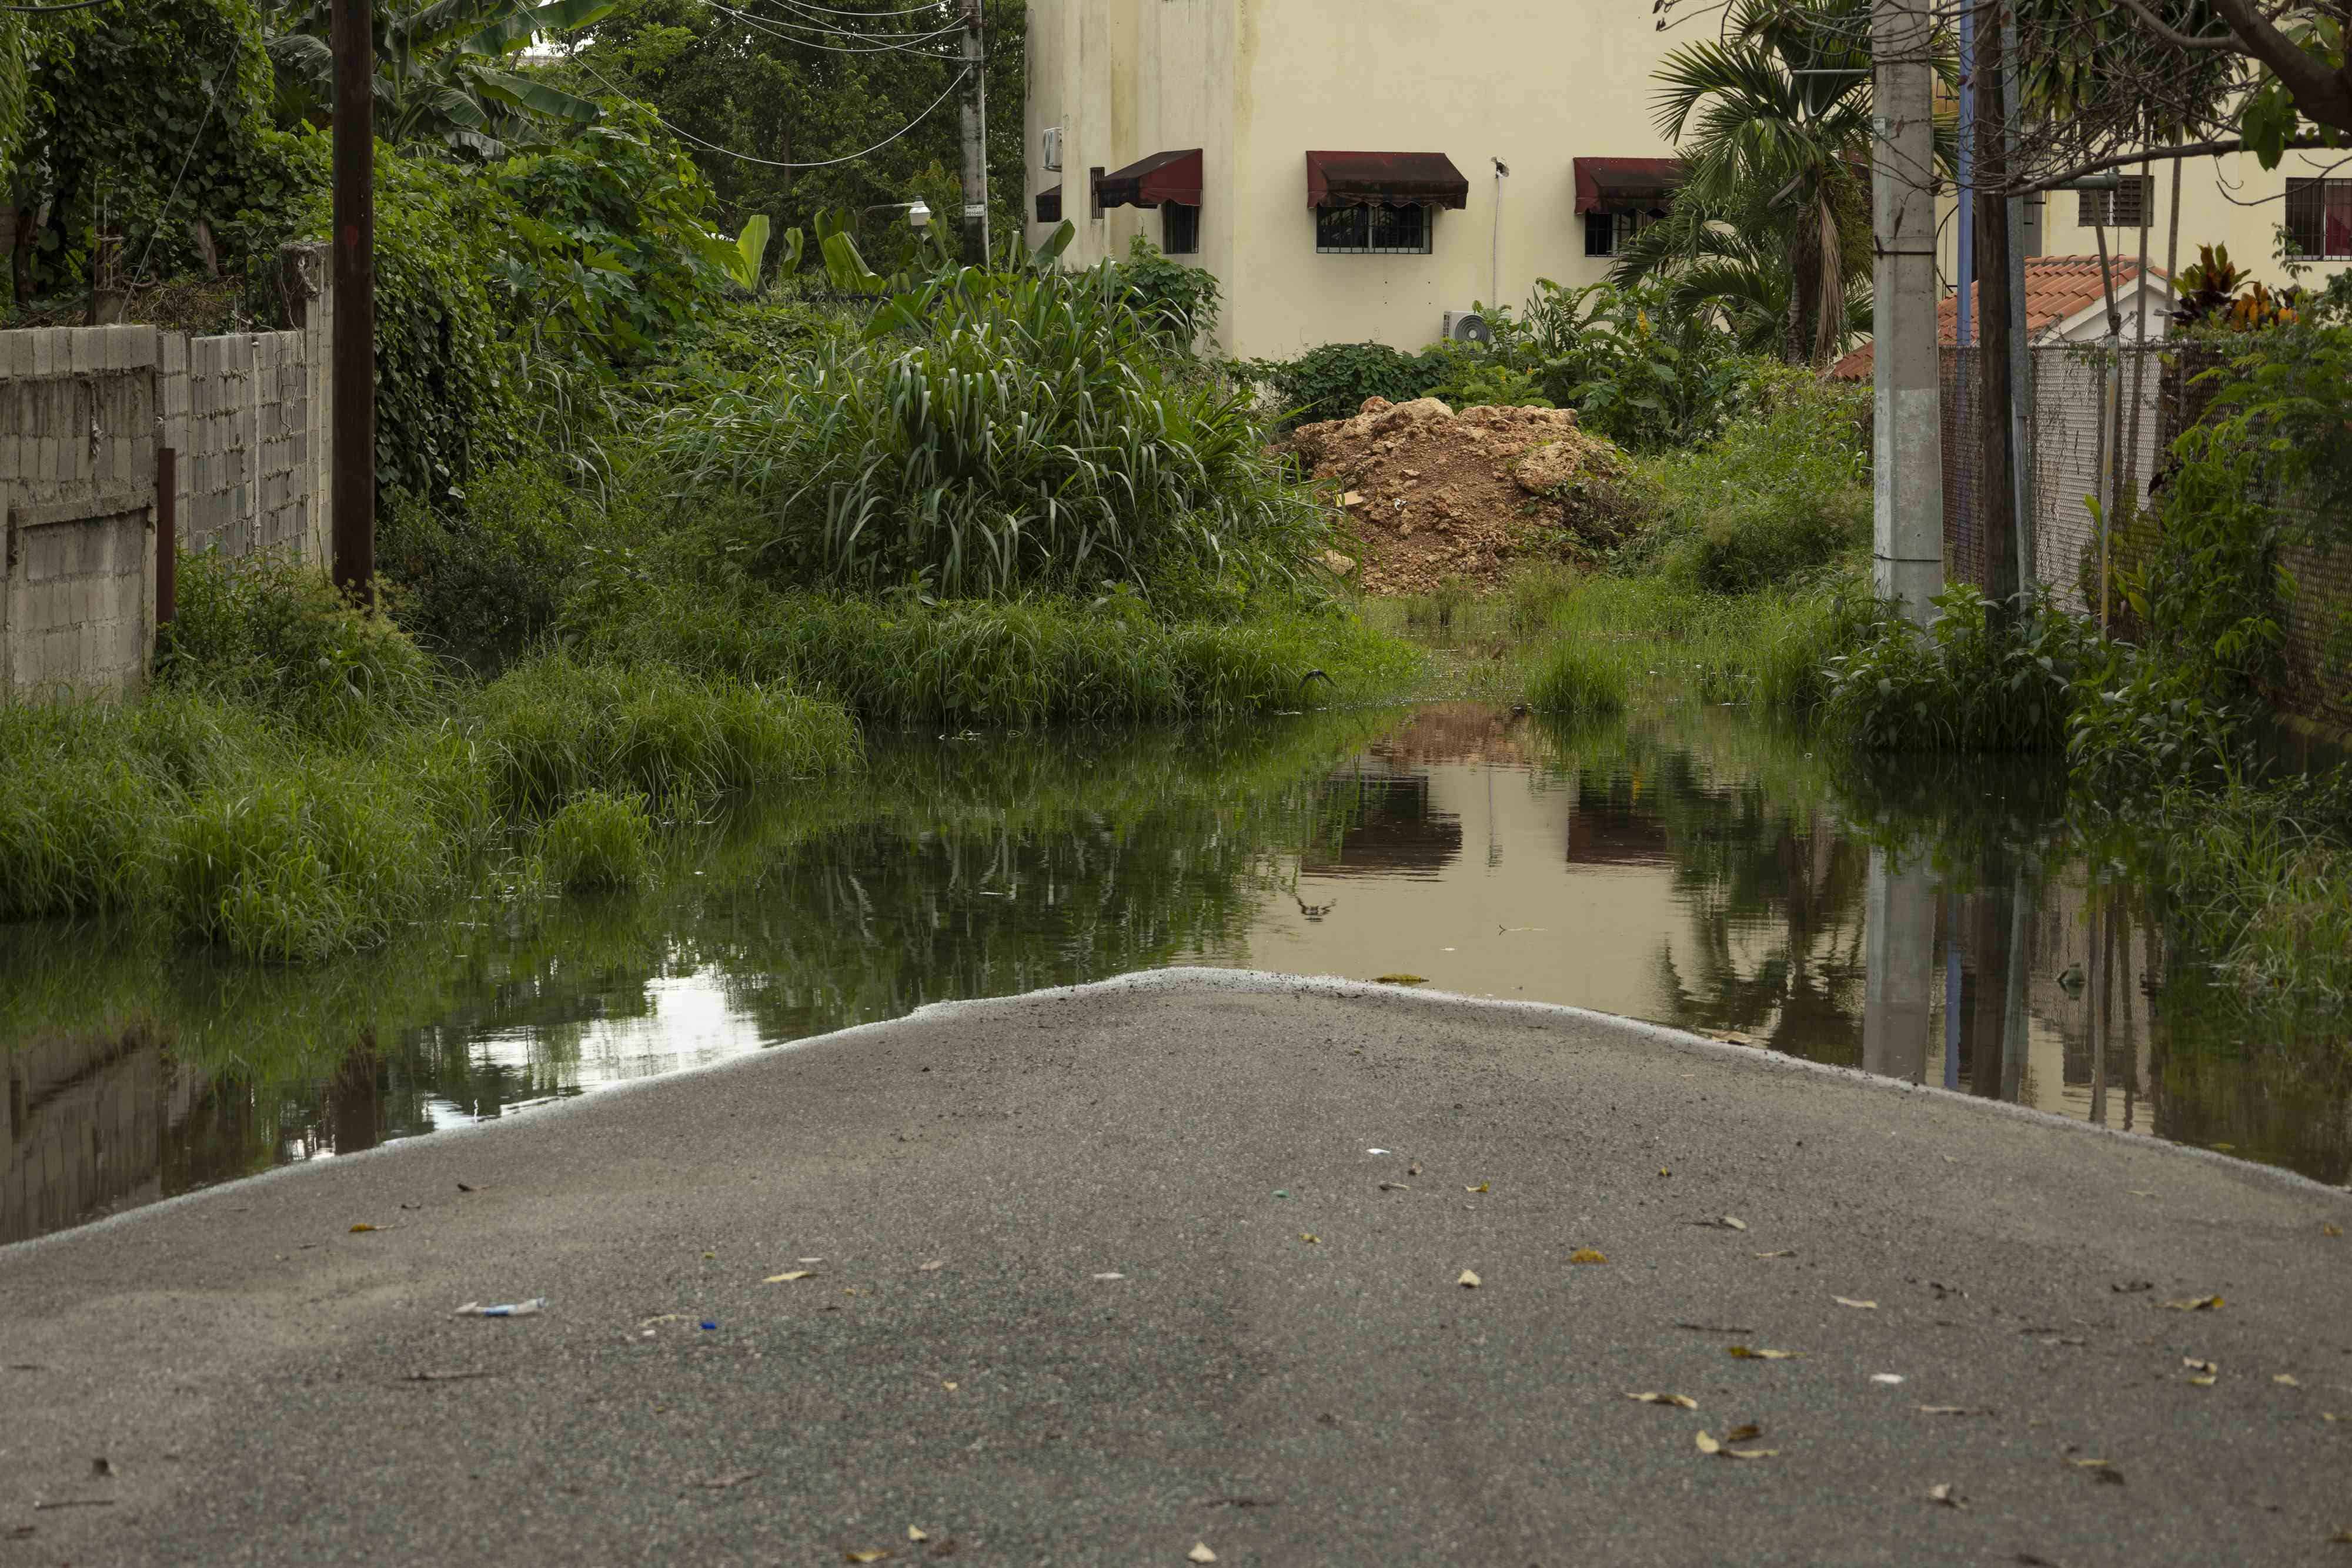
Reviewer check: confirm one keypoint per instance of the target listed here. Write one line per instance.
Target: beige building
(1334, 161)
(2229, 200)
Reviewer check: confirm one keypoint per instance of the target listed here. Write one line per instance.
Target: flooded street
(1688, 865)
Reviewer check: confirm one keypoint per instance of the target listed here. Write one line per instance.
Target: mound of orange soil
(1432, 494)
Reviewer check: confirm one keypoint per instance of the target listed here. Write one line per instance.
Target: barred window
(2125, 207)
(1608, 233)
(1390, 228)
(2319, 218)
(1180, 229)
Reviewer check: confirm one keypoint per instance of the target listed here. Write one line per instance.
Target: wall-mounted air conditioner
(1467, 327)
(1051, 137)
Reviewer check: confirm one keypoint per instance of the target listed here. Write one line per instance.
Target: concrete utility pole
(2020, 357)
(1907, 548)
(975, 139)
(353, 350)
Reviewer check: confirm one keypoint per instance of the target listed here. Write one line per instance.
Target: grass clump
(996, 434)
(557, 726)
(1578, 679)
(270, 632)
(599, 839)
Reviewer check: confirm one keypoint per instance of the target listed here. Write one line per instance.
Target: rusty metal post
(354, 334)
(167, 535)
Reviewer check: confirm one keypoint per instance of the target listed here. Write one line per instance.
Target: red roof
(2057, 288)
(1149, 181)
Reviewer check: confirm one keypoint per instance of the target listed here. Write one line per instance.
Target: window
(1608, 233)
(1180, 229)
(2125, 207)
(1391, 228)
(2319, 217)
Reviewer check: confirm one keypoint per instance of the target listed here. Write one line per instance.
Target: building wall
(1256, 83)
(83, 413)
(2229, 200)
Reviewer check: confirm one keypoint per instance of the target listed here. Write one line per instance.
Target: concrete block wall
(83, 413)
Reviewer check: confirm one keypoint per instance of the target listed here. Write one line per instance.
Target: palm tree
(1779, 107)
(1734, 261)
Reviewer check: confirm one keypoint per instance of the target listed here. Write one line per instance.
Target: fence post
(167, 535)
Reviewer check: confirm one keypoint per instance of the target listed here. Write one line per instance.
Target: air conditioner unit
(1467, 327)
(1052, 148)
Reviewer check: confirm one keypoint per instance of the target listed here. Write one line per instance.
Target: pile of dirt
(1431, 495)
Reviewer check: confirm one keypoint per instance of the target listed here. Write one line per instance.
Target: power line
(773, 163)
(876, 16)
(788, 31)
(49, 10)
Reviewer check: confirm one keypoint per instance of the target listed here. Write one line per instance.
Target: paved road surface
(1069, 1311)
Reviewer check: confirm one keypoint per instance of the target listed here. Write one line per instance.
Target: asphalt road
(1107, 1274)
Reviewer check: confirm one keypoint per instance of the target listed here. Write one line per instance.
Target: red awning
(1603, 184)
(1163, 177)
(1364, 179)
(1049, 204)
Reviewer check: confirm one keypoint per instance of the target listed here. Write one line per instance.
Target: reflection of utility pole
(2014, 1022)
(1900, 917)
(1996, 494)
(353, 480)
(1908, 477)
(975, 139)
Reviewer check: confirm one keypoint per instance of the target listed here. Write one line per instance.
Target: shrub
(1332, 382)
(1972, 681)
(1474, 378)
(1176, 300)
(1000, 434)
(599, 839)
(478, 582)
(1784, 491)
(555, 727)
(273, 631)
(1576, 678)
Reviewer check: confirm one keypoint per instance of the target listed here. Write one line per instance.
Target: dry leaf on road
(1682, 1400)
(1850, 1301)
(2331, 1230)
(1468, 1280)
(2195, 1304)
(2193, 1364)
(934, 1263)
(1944, 1409)
(864, 1556)
(1200, 1552)
(1587, 1255)
(1942, 1492)
(2286, 1380)
(364, 1226)
(1746, 1354)
(787, 1279)
(914, 1533)
(1744, 1433)
(1482, 1187)
(1707, 1445)
(1311, 1238)
(1784, 1252)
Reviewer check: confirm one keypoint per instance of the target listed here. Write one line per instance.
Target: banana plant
(440, 73)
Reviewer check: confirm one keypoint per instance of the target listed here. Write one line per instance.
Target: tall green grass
(1014, 664)
(600, 840)
(279, 812)
(1578, 679)
(996, 434)
(556, 725)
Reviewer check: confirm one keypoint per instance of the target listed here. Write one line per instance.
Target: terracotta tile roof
(2057, 288)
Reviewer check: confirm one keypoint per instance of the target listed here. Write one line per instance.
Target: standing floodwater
(1690, 865)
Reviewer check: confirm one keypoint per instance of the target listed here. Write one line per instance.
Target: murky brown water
(1691, 866)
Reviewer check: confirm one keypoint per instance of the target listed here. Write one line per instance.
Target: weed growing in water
(1579, 679)
(599, 839)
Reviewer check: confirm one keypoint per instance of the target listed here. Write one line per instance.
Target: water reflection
(1689, 866)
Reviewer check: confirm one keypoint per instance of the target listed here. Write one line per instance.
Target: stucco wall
(1256, 83)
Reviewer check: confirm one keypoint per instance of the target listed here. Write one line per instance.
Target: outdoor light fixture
(918, 214)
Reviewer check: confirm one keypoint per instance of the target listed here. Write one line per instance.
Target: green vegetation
(599, 839)
(1577, 679)
(297, 787)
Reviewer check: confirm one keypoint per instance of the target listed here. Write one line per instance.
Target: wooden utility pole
(354, 298)
(975, 139)
(1996, 495)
